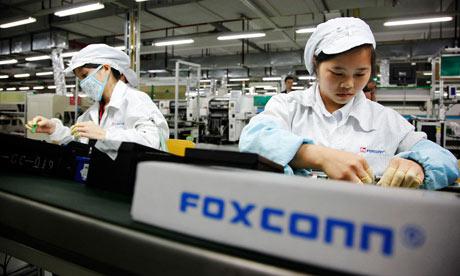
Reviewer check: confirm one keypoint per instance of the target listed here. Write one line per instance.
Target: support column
(58, 71)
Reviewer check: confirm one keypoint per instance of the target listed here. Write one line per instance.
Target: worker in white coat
(120, 112)
(333, 127)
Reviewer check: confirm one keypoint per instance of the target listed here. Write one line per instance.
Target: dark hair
(325, 57)
(288, 78)
(116, 74)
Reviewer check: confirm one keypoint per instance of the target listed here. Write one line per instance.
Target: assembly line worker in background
(369, 90)
(333, 128)
(120, 112)
(288, 82)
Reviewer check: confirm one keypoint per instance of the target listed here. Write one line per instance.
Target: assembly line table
(70, 229)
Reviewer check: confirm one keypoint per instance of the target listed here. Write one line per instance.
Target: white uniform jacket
(130, 116)
(361, 126)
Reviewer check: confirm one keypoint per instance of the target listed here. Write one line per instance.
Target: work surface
(93, 229)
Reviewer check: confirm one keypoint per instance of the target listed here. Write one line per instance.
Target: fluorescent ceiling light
(8, 61)
(22, 75)
(81, 9)
(266, 87)
(44, 73)
(418, 21)
(205, 80)
(157, 71)
(307, 78)
(3, 76)
(11, 88)
(240, 36)
(68, 54)
(18, 22)
(37, 58)
(243, 79)
(427, 73)
(305, 30)
(271, 79)
(70, 86)
(1, 89)
(38, 87)
(141, 0)
(174, 42)
(51, 87)
(298, 87)
(24, 88)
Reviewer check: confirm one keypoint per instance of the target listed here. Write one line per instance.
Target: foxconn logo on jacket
(364, 150)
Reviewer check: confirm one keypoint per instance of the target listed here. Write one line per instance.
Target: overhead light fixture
(173, 42)
(157, 71)
(51, 87)
(418, 21)
(70, 86)
(68, 54)
(141, 0)
(1, 89)
(18, 22)
(241, 35)
(37, 58)
(298, 87)
(271, 79)
(8, 61)
(11, 89)
(38, 87)
(266, 87)
(427, 73)
(24, 88)
(3, 76)
(80, 9)
(44, 73)
(205, 80)
(22, 75)
(307, 78)
(243, 79)
(305, 30)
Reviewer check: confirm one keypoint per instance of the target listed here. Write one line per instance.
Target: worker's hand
(402, 173)
(344, 165)
(87, 129)
(41, 124)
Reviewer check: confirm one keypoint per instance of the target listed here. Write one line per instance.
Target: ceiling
(205, 20)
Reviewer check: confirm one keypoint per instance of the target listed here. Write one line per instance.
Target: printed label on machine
(332, 224)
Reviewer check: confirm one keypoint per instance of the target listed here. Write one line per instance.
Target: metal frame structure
(176, 94)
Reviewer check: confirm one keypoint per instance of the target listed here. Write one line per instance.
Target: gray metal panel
(237, 73)
(21, 44)
(5, 47)
(257, 60)
(111, 249)
(286, 58)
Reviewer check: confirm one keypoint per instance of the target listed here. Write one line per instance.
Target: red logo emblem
(363, 149)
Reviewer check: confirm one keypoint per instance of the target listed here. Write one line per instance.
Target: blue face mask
(93, 87)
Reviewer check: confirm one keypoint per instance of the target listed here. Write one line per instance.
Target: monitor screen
(402, 74)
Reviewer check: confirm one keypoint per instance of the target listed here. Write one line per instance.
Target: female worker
(333, 128)
(120, 113)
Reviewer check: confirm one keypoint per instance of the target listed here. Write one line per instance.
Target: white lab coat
(130, 116)
(366, 128)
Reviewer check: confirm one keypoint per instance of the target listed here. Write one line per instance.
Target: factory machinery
(222, 117)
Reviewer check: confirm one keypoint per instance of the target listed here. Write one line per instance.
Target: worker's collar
(360, 109)
(117, 95)
(338, 114)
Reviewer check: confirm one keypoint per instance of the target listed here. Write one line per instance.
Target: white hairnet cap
(104, 54)
(336, 36)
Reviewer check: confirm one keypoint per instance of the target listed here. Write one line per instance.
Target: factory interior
(192, 189)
